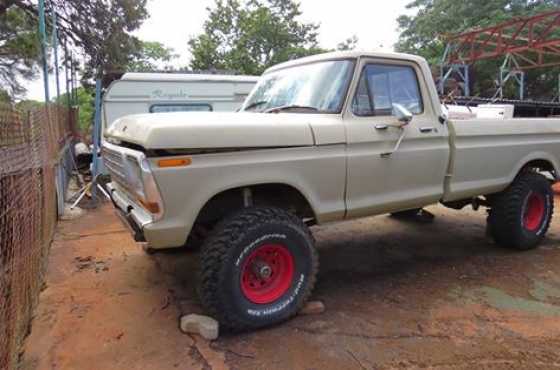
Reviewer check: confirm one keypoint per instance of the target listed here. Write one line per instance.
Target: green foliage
(102, 29)
(5, 97)
(98, 30)
(19, 50)
(348, 44)
(28, 105)
(152, 56)
(424, 34)
(86, 104)
(248, 37)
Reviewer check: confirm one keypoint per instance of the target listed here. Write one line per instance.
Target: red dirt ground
(397, 294)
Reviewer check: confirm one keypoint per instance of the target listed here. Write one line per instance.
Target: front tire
(521, 214)
(258, 268)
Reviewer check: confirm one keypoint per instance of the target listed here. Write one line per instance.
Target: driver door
(412, 176)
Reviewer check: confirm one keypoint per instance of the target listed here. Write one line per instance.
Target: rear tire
(258, 268)
(521, 214)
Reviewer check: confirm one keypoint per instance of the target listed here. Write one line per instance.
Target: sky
(172, 22)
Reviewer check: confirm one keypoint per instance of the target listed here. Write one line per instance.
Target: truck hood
(199, 130)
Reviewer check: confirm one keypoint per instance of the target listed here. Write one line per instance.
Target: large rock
(205, 326)
(312, 308)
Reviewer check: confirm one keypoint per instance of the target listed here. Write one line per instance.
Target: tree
(348, 44)
(85, 102)
(424, 32)
(99, 29)
(102, 30)
(252, 36)
(5, 97)
(28, 105)
(19, 50)
(152, 56)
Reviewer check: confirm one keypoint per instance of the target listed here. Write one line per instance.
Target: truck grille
(114, 161)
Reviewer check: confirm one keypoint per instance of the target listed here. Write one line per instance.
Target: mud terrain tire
(257, 268)
(520, 216)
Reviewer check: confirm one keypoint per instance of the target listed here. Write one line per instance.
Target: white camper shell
(137, 93)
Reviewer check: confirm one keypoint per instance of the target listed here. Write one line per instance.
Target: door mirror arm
(397, 144)
(404, 117)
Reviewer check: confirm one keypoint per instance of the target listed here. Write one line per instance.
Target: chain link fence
(33, 145)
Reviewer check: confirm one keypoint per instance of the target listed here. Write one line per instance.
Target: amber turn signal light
(151, 207)
(174, 162)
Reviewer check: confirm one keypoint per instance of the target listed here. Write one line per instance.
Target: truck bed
(486, 154)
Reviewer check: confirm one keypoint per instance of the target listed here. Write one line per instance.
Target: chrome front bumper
(132, 215)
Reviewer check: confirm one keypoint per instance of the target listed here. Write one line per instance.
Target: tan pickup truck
(325, 138)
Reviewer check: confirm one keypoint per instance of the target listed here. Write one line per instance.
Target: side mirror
(403, 115)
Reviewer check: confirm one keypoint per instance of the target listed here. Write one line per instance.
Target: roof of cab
(346, 55)
(190, 77)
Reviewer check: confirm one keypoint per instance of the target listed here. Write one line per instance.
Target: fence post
(43, 32)
(55, 48)
(96, 136)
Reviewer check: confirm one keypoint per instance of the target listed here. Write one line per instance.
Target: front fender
(318, 173)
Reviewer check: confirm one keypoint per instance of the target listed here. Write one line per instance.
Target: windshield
(317, 87)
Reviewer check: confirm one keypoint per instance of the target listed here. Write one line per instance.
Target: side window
(362, 105)
(197, 107)
(381, 86)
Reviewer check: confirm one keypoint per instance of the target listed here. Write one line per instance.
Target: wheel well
(276, 195)
(541, 165)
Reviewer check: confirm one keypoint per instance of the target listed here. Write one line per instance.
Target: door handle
(426, 130)
(381, 126)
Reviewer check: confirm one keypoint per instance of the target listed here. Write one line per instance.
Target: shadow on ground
(398, 295)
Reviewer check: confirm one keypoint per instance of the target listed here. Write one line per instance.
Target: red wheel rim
(267, 273)
(534, 211)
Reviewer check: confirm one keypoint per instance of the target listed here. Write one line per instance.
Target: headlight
(143, 184)
(134, 176)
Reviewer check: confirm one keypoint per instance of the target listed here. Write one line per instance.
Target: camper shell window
(197, 107)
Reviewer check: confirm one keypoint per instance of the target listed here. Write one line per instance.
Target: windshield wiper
(255, 104)
(293, 106)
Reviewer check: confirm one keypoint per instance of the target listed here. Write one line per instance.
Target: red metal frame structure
(526, 43)
(532, 40)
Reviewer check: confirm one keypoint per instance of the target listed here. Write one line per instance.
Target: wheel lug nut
(262, 269)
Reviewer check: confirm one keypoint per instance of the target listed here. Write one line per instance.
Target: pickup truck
(325, 138)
